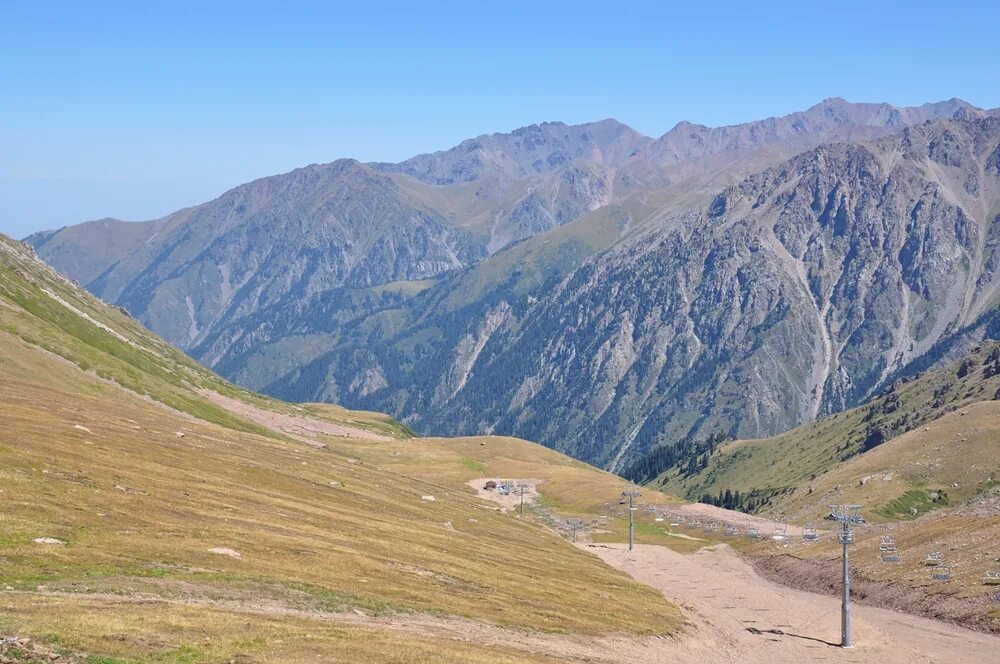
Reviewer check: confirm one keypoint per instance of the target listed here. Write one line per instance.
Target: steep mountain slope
(341, 282)
(797, 292)
(184, 532)
(343, 225)
(949, 461)
(45, 310)
(944, 414)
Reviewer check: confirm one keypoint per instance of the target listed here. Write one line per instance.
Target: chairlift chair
(941, 573)
(992, 578)
(933, 559)
(732, 530)
(810, 535)
(753, 533)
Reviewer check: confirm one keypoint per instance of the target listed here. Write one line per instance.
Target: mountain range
(597, 290)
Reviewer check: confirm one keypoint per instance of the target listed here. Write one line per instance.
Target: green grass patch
(473, 465)
(912, 504)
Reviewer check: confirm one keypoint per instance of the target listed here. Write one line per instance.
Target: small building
(490, 486)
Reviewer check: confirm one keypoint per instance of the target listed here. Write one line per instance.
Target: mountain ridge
(310, 284)
(841, 177)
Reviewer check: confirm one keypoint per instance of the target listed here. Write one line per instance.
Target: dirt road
(737, 616)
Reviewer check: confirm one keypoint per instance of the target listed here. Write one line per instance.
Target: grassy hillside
(146, 519)
(49, 312)
(945, 463)
(773, 466)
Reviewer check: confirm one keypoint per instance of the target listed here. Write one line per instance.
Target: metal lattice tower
(848, 516)
(522, 486)
(574, 525)
(631, 493)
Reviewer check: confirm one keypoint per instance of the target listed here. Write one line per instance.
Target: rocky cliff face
(795, 293)
(659, 308)
(220, 261)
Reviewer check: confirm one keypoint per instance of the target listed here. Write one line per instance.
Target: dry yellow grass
(568, 486)
(151, 491)
(789, 460)
(110, 448)
(140, 506)
(129, 633)
(955, 457)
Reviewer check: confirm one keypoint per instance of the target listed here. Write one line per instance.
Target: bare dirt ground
(820, 576)
(738, 616)
(511, 501)
(26, 651)
(712, 513)
(733, 615)
(304, 428)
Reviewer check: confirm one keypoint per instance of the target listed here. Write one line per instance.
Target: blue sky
(124, 110)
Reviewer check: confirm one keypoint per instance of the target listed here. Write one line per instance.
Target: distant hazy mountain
(584, 286)
(535, 150)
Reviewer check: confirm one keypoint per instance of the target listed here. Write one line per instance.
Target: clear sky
(130, 111)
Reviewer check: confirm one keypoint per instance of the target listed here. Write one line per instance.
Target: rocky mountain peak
(585, 285)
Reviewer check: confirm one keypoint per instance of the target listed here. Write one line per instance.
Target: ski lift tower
(522, 486)
(848, 516)
(574, 525)
(631, 493)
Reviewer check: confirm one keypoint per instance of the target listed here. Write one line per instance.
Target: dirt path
(712, 513)
(734, 616)
(572, 648)
(302, 427)
(737, 616)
